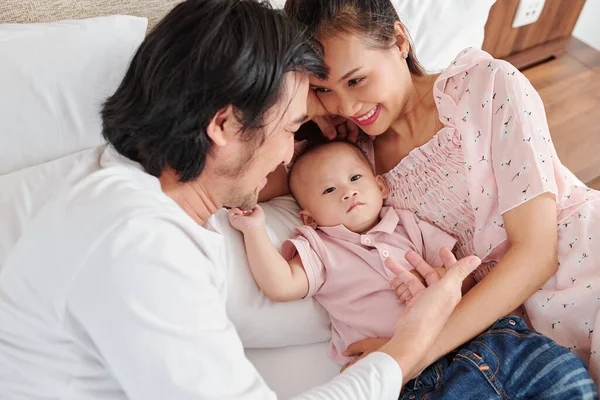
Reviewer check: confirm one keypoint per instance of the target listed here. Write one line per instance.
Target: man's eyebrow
(347, 74)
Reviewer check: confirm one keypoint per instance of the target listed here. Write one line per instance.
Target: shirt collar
(388, 221)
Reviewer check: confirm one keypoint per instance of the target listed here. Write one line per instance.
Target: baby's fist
(245, 221)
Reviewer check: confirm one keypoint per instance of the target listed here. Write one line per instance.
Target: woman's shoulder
(474, 71)
(467, 59)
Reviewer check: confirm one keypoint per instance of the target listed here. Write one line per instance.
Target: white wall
(587, 28)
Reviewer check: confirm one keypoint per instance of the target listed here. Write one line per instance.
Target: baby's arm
(278, 279)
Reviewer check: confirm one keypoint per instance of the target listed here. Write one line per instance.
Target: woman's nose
(348, 107)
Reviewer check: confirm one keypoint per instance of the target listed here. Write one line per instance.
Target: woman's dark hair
(372, 19)
(203, 56)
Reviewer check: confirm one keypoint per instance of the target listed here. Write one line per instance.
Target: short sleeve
(427, 239)
(522, 153)
(309, 246)
(434, 239)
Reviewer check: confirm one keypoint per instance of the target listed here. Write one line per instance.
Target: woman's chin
(376, 129)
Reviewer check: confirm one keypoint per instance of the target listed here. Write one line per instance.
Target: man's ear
(401, 34)
(383, 186)
(307, 219)
(223, 126)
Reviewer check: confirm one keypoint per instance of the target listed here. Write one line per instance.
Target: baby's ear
(307, 219)
(383, 186)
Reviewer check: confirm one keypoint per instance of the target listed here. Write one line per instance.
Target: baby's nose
(350, 194)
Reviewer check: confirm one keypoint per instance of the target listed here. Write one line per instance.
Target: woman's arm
(529, 263)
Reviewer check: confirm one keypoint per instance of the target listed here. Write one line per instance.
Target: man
(134, 304)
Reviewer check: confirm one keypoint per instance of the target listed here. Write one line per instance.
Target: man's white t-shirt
(114, 292)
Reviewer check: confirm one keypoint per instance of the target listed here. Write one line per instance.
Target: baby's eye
(355, 178)
(354, 82)
(329, 190)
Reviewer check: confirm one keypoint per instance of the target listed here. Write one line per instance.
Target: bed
(55, 75)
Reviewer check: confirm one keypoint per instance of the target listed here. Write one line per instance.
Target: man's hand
(246, 221)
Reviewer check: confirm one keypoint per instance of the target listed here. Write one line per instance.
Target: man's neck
(193, 197)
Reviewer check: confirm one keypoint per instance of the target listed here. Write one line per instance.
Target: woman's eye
(355, 178)
(354, 82)
(328, 190)
(320, 90)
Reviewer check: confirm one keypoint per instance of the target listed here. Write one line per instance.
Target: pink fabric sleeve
(521, 148)
(434, 239)
(427, 239)
(307, 244)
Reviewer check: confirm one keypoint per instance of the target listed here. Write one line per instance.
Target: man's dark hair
(203, 56)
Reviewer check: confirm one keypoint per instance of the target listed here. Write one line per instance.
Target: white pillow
(442, 29)
(54, 77)
(24, 192)
(292, 370)
(259, 321)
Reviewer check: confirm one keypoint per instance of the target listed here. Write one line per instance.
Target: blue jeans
(508, 361)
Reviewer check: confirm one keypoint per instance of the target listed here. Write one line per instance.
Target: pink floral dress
(493, 154)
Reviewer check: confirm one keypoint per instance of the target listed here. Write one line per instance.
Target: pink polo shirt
(347, 274)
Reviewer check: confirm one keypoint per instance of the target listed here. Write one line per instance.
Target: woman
(468, 150)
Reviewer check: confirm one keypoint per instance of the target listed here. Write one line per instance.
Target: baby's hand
(409, 285)
(246, 221)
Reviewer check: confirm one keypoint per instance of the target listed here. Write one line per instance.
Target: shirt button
(367, 240)
(385, 253)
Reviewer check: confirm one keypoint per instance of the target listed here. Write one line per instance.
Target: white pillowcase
(292, 370)
(259, 321)
(442, 29)
(24, 192)
(54, 78)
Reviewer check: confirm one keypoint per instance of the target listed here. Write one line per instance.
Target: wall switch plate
(528, 12)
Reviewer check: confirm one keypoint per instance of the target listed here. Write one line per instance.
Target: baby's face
(335, 185)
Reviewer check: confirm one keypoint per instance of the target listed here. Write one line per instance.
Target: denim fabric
(508, 361)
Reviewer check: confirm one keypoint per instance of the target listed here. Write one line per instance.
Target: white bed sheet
(294, 369)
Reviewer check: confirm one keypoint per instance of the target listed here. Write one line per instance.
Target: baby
(339, 254)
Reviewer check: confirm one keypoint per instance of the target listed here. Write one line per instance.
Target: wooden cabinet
(533, 43)
(564, 71)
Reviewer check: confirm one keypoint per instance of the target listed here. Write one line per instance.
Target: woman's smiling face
(366, 84)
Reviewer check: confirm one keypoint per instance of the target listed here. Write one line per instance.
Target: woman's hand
(332, 126)
(363, 348)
